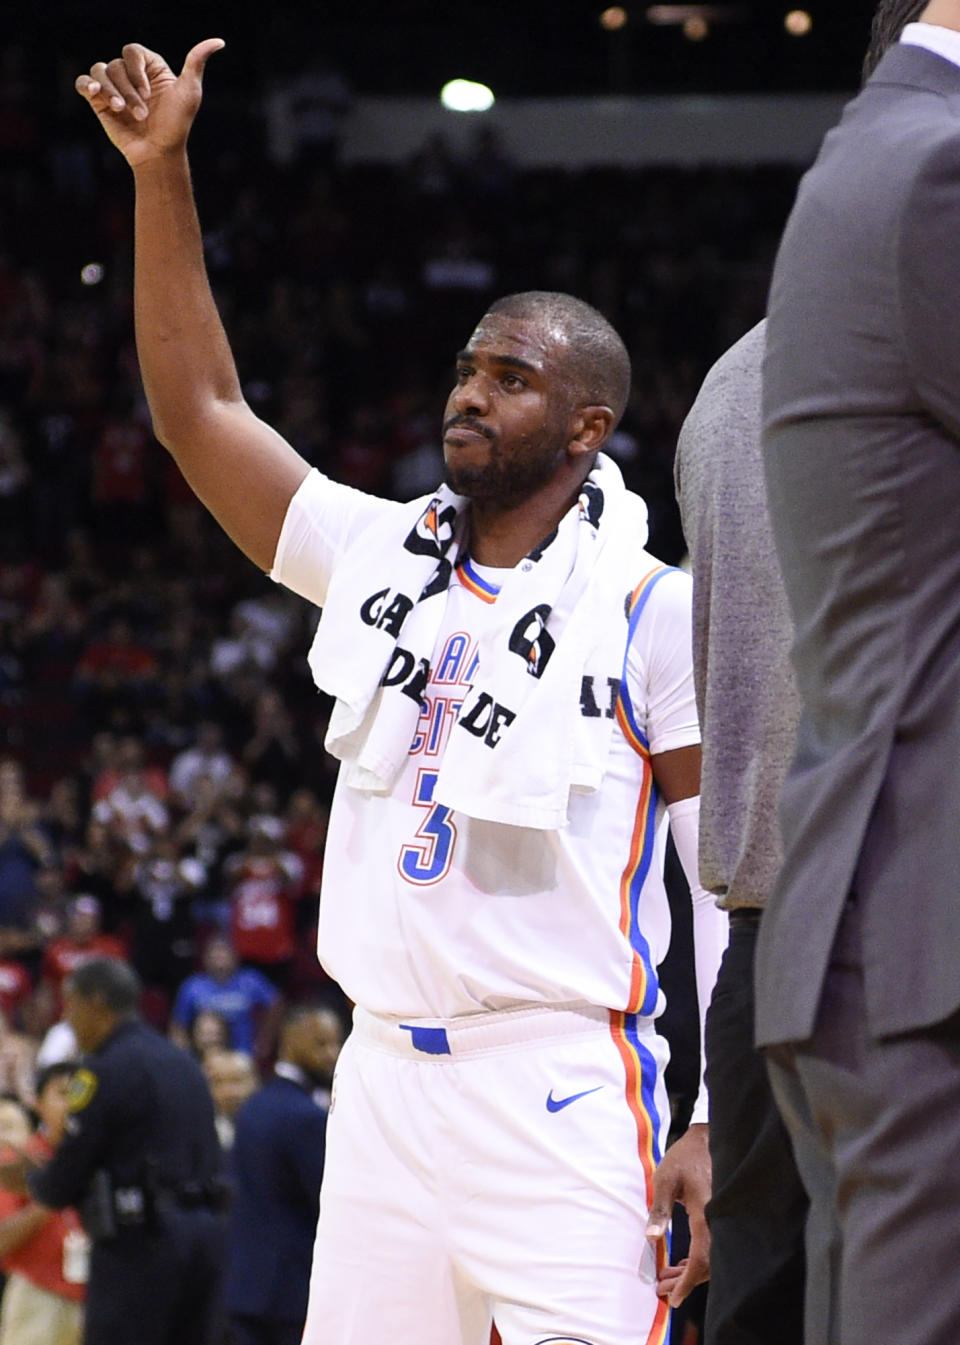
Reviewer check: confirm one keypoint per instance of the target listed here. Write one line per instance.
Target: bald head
(596, 360)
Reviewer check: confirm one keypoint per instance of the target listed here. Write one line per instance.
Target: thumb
(661, 1205)
(658, 1220)
(198, 56)
(657, 1225)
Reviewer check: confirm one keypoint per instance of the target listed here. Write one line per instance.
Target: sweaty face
(505, 428)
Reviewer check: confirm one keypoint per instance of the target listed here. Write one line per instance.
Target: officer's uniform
(141, 1161)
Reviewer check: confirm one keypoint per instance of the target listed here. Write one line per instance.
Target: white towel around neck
(521, 742)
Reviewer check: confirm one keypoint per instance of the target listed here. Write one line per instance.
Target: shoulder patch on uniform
(82, 1087)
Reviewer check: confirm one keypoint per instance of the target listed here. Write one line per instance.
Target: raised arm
(241, 469)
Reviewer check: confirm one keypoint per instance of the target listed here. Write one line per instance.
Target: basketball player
(514, 714)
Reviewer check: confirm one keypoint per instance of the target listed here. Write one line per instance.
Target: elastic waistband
(456, 1038)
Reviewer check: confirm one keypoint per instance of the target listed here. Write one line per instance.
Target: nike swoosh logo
(558, 1103)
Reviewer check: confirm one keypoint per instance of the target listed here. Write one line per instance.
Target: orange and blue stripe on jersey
(641, 1081)
(644, 986)
(475, 583)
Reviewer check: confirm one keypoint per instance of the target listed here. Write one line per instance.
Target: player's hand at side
(684, 1175)
(146, 109)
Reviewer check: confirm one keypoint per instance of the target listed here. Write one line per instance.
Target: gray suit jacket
(862, 457)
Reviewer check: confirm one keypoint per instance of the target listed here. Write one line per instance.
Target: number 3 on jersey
(427, 859)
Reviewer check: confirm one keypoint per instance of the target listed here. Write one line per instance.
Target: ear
(590, 428)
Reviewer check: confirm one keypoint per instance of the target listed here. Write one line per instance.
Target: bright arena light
(613, 18)
(798, 23)
(464, 95)
(695, 28)
(91, 274)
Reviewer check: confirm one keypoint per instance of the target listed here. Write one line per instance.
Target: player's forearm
(185, 359)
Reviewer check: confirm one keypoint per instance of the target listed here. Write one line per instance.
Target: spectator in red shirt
(82, 941)
(306, 835)
(116, 674)
(265, 884)
(15, 988)
(117, 658)
(42, 1250)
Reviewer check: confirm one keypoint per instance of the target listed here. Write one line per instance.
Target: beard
(502, 482)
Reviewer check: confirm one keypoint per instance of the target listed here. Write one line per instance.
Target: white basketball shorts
(496, 1169)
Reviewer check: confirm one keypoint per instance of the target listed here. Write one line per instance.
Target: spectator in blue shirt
(242, 996)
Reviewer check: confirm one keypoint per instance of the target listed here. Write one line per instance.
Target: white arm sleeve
(659, 666)
(711, 926)
(322, 521)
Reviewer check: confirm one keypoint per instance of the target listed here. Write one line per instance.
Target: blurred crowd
(163, 783)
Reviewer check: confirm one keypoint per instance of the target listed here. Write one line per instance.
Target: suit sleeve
(929, 279)
(306, 1149)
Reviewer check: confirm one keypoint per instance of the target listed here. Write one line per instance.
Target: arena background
(529, 48)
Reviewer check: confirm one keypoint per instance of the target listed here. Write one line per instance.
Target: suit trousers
(876, 1131)
(758, 1211)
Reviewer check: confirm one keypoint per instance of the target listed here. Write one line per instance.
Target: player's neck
(942, 13)
(501, 537)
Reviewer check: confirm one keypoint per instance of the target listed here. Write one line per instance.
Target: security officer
(141, 1161)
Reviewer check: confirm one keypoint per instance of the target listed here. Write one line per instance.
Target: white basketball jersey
(426, 913)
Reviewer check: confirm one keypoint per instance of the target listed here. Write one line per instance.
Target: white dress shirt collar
(943, 42)
(284, 1070)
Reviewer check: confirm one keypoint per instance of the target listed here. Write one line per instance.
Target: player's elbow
(188, 429)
